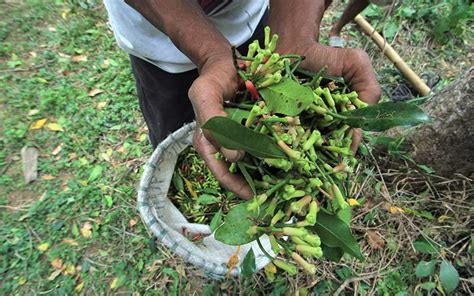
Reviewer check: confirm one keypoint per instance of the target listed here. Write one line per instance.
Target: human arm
(184, 22)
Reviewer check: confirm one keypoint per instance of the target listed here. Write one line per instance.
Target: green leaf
(425, 246)
(234, 230)
(428, 286)
(95, 173)
(384, 116)
(248, 265)
(247, 177)
(336, 234)
(207, 199)
(236, 114)
(448, 276)
(178, 182)
(345, 215)
(333, 254)
(108, 201)
(232, 135)
(216, 221)
(425, 268)
(287, 97)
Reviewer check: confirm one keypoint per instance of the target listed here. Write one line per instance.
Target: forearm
(184, 22)
(296, 22)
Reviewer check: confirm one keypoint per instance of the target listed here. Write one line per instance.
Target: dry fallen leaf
(79, 58)
(33, 112)
(114, 283)
(375, 240)
(54, 275)
(79, 287)
(233, 261)
(86, 230)
(70, 242)
(48, 177)
(33, 54)
(69, 269)
(94, 92)
(101, 105)
(38, 124)
(395, 210)
(57, 149)
(43, 247)
(132, 222)
(63, 55)
(55, 127)
(57, 263)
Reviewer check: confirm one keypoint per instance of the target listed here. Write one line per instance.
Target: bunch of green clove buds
(315, 174)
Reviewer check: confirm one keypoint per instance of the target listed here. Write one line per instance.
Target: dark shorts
(163, 96)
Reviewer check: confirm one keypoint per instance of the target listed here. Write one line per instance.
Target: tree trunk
(447, 144)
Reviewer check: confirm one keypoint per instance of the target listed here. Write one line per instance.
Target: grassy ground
(76, 229)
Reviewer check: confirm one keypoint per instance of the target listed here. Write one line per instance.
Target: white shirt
(235, 19)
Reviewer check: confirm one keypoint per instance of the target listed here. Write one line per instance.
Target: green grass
(92, 180)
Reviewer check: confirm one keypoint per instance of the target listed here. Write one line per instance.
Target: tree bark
(447, 144)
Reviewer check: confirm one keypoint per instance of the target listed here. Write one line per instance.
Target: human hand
(352, 64)
(217, 81)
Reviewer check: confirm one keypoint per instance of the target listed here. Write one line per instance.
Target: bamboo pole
(393, 56)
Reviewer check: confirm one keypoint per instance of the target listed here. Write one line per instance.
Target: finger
(359, 72)
(232, 155)
(220, 168)
(356, 137)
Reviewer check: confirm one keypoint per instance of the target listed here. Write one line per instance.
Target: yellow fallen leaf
(86, 230)
(94, 92)
(57, 149)
(105, 156)
(22, 281)
(70, 242)
(38, 124)
(189, 186)
(79, 58)
(79, 287)
(55, 127)
(395, 210)
(83, 182)
(233, 261)
(353, 202)
(63, 55)
(54, 275)
(43, 247)
(65, 13)
(57, 263)
(69, 269)
(33, 112)
(270, 268)
(442, 218)
(101, 105)
(48, 177)
(114, 284)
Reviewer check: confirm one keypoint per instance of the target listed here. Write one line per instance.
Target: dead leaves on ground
(374, 239)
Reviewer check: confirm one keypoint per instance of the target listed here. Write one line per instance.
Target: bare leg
(353, 8)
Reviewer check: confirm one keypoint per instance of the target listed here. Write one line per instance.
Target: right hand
(217, 81)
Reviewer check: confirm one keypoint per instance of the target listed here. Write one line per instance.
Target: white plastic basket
(166, 222)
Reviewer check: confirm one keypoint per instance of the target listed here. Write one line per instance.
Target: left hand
(352, 64)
